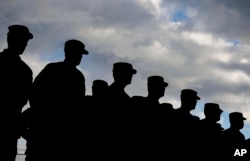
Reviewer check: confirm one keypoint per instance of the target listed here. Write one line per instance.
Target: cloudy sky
(198, 44)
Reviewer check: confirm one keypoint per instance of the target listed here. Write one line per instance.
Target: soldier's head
(99, 87)
(123, 72)
(236, 120)
(74, 49)
(17, 38)
(212, 111)
(189, 98)
(156, 86)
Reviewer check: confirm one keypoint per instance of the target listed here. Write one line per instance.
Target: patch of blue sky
(179, 16)
(246, 130)
(54, 57)
(225, 120)
(233, 41)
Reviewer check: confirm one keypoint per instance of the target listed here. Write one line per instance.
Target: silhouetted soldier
(98, 98)
(57, 95)
(149, 118)
(94, 114)
(15, 82)
(116, 96)
(186, 125)
(156, 90)
(122, 74)
(99, 88)
(99, 91)
(150, 104)
(210, 131)
(117, 109)
(232, 138)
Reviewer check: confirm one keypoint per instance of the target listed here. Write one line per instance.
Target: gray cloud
(227, 18)
(193, 52)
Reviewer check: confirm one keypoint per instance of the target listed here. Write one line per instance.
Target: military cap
(236, 116)
(212, 108)
(20, 30)
(75, 45)
(157, 80)
(123, 67)
(190, 93)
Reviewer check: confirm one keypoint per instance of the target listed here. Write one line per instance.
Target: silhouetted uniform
(186, 126)
(97, 99)
(15, 83)
(210, 131)
(148, 118)
(232, 138)
(57, 95)
(165, 124)
(99, 88)
(94, 114)
(26, 120)
(117, 109)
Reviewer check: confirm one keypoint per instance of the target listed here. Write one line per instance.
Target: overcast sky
(198, 44)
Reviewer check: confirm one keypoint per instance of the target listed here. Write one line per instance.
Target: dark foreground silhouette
(62, 123)
(15, 83)
(109, 124)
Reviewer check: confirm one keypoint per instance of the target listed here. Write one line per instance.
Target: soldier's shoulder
(137, 97)
(196, 118)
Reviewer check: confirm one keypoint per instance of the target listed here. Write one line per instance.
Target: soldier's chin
(20, 52)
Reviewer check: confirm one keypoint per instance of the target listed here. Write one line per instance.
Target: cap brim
(134, 71)
(220, 110)
(85, 52)
(30, 36)
(165, 84)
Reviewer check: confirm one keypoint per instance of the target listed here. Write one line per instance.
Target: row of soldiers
(63, 122)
